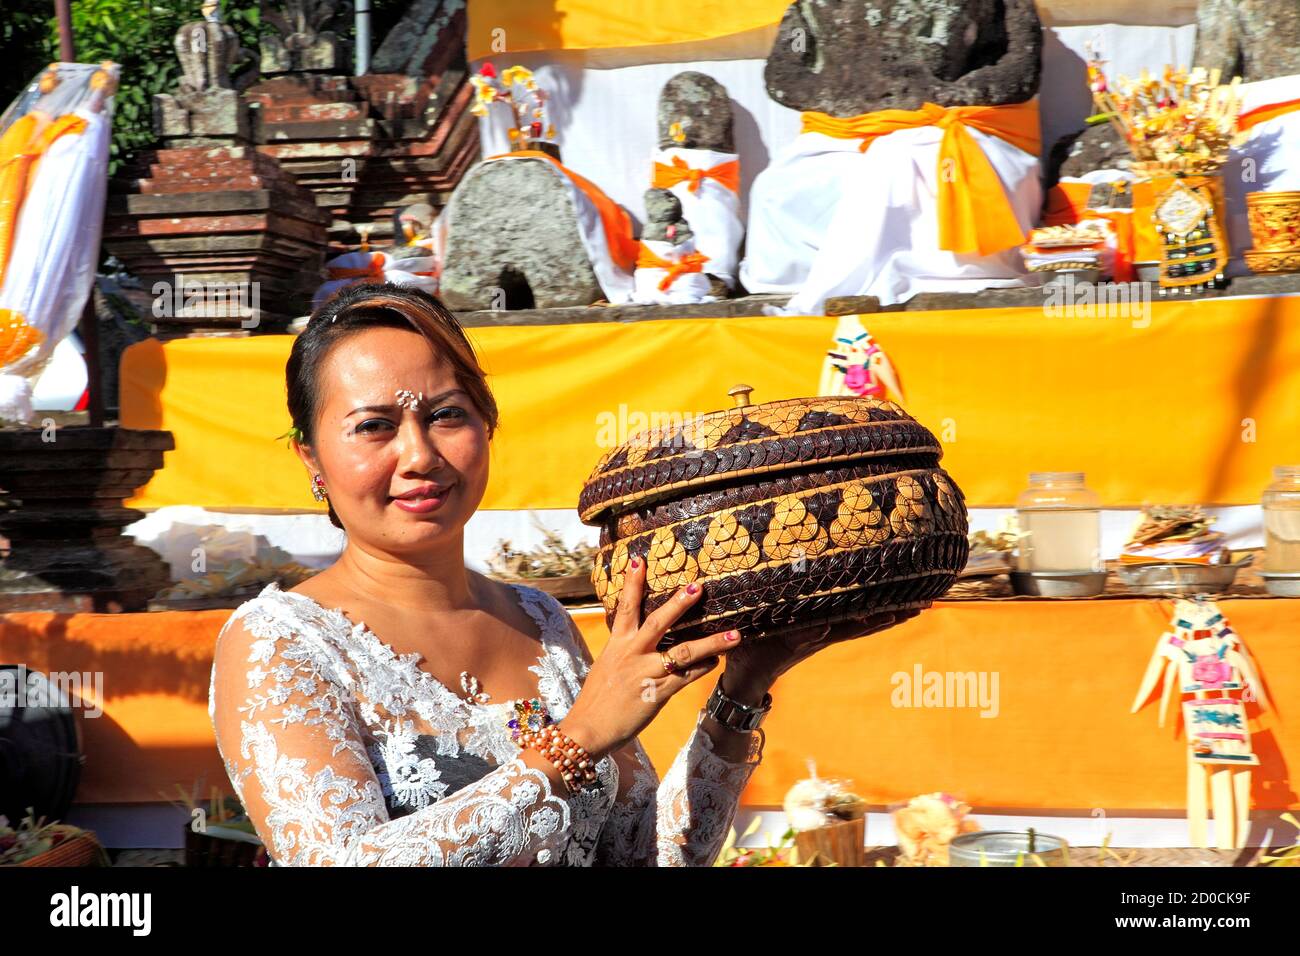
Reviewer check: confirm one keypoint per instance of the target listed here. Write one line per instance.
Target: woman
(335, 703)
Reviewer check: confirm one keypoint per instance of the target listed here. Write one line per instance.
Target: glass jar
(1060, 524)
(1281, 503)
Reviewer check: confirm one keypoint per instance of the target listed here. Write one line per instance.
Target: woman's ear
(305, 455)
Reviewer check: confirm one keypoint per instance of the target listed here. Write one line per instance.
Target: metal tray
(1181, 580)
(1282, 583)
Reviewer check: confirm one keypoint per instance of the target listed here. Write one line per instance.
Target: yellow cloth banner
(975, 215)
(499, 27)
(1195, 402)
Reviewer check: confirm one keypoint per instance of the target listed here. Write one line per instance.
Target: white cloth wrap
(687, 288)
(55, 251)
(408, 272)
(397, 271)
(349, 260)
(614, 281)
(826, 219)
(1265, 160)
(713, 211)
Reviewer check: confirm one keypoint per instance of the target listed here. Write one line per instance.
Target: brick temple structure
(260, 185)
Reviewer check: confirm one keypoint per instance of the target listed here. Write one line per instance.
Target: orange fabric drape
(1062, 735)
(974, 214)
(726, 174)
(16, 158)
(617, 223)
(1067, 203)
(1262, 114)
(374, 271)
(17, 336)
(21, 148)
(691, 262)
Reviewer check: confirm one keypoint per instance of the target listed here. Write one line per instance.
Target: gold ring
(670, 665)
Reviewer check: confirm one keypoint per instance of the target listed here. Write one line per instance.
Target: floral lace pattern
(347, 753)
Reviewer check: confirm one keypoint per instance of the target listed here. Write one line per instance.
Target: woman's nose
(417, 452)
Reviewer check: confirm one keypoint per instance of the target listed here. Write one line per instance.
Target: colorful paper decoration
(856, 365)
(1204, 658)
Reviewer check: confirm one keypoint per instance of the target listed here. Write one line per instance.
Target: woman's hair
(370, 305)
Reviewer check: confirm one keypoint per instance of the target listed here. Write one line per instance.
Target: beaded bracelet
(574, 763)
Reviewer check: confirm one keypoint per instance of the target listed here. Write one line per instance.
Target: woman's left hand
(757, 663)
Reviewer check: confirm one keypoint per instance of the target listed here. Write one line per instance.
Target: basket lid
(748, 439)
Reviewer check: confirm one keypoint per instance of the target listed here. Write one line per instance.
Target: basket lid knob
(741, 394)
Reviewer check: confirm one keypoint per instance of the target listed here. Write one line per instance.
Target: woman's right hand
(628, 685)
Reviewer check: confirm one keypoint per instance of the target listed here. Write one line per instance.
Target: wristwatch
(736, 716)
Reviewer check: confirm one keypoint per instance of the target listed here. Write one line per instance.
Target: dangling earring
(318, 487)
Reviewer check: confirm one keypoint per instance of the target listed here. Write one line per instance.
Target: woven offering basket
(843, 844)
(790, 514)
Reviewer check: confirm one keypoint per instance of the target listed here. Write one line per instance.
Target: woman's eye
(454, 414)
(372, 425)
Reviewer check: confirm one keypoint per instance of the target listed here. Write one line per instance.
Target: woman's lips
(420, 506)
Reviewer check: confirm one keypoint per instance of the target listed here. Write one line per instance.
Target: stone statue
(514, 241)
(1097, 147)
(664, 222)
(670, 270)
(412, 231)
(207, 49)
(301, 41)
(848, 209)
(205, 109)
(1253, 39)
(846, 57)
(695, 113)
(696, 158)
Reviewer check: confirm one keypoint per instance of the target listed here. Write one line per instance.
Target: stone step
(307, 112)
(237, 181)
(316, 131)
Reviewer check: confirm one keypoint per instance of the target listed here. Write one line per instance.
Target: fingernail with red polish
(636, 563)
(732, 635)
(693, 588)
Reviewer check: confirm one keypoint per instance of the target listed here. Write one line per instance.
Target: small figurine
(669, 269)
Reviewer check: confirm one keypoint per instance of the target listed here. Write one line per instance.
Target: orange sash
(21, 148)
(726, 174)
(974, 213)
(1262, 114)
(691, 262)
(617, 223)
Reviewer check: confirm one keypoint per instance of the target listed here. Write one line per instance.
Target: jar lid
(1062, 477)
(746, 440)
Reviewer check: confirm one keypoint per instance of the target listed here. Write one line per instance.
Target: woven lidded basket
(790, 514)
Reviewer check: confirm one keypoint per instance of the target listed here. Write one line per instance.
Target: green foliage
(28, 42)
(138, 34)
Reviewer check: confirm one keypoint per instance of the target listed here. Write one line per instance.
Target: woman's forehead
(372, 365)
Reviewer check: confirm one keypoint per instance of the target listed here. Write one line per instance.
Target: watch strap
(734, 715)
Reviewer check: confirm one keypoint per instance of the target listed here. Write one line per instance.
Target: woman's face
(373, 450)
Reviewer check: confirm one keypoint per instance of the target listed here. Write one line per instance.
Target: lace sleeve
(289, 731)
(681, 821)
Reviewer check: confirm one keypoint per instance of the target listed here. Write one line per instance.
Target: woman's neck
(437, 582)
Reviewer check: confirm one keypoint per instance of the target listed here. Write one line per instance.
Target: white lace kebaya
(345, 753)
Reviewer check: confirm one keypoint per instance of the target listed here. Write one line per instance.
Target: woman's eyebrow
(388, 408)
